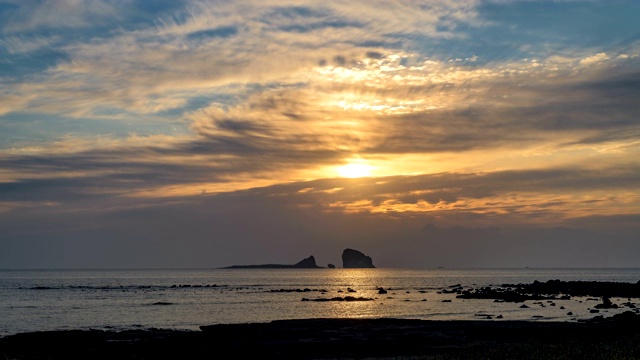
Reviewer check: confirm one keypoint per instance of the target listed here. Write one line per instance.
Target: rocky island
(354, 259)
(350, 259)
(308, 263)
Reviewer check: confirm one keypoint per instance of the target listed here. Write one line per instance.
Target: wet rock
(627, 317)
(505, 295)
(338, 298)
(579, 288)
(606, 304)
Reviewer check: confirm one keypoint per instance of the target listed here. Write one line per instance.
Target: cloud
(594, 59)
(468, 114)
(206, 47)
(60, 14)
(377, 109)
(281, 222)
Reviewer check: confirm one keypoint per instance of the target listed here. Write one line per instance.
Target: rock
(523, 306)
(606, 304)
(338, 298)
(594, 311)
(381, 291)
(355, 259)
(331, 266)
(569, 313)
(627, 317)
(629, 304)
(308, 263)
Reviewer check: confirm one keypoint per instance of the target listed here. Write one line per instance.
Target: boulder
(355, 259)
(606, 304)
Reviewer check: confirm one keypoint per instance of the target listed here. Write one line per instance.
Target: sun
(355, 170)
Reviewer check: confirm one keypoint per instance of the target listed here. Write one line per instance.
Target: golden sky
(296, 127)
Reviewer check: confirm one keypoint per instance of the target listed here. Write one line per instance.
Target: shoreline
(600, 338)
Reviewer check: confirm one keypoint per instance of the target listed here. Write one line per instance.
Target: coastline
(599, 338)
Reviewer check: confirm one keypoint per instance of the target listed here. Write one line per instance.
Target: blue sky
(183, 111)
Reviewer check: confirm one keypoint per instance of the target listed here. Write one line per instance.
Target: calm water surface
(35, 300)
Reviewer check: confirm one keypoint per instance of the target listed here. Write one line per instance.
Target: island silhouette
(350, 259)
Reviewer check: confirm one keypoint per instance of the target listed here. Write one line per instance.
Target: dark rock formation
(331, 266)
(338, 298)
(580, 288)
(553, 290)
(604, 338)
(308, 263)
(500, 294)
(606, 304)
(355, 259)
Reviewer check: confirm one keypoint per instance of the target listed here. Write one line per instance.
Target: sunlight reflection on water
(186, 299)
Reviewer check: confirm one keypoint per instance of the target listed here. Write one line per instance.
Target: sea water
(38, 300)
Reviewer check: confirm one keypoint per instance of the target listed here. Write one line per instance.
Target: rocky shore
(616, 337)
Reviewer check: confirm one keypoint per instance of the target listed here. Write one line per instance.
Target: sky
(202, 134)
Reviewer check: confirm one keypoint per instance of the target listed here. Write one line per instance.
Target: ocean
(40, 300)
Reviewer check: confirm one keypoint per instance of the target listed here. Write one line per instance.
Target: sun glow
(355, 170)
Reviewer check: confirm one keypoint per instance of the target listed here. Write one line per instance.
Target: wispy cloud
(463, 112)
